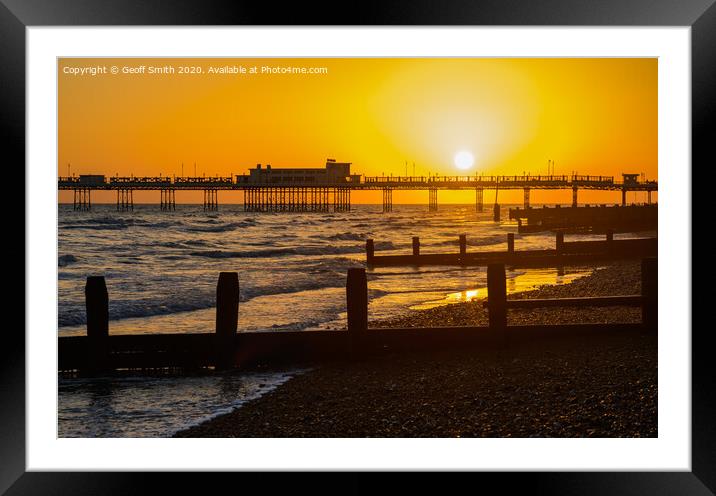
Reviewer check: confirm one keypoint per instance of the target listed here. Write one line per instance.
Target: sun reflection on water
(517, 281)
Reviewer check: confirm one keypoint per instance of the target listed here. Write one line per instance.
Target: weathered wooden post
(650, 293)
(510, 243)
(97, 307)
(560, 242)
(463, 244)
(357, 307)
(369, 251)
(497, 297)
(227, 318)
(610, 240)
(416, 246)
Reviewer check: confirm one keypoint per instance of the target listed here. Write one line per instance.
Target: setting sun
(464, 160)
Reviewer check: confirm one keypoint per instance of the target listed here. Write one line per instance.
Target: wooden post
(497, 297)
(496, 212)
(560, 242)
(650, 293)
(227, 318)
(357, 301)
(463, 244)
(369, 251)
(416, 246)
(357, 308)
(97, 307)
(510, 242)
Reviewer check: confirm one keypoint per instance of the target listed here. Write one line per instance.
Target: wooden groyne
(564, 253)
(102, 353)
(595, 219)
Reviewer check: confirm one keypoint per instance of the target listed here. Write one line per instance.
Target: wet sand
(606, 387)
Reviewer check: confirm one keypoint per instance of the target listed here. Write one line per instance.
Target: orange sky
(593, 116)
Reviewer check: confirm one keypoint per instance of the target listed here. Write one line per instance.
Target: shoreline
(604, 388)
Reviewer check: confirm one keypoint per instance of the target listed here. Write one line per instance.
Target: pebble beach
(606, 387)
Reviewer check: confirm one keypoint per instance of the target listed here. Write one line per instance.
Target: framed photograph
(265, 240)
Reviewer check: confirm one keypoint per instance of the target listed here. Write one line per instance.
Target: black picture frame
(700, 15)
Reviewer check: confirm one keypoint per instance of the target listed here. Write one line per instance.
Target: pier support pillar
(341, 199)
(416, 246)
(478, 199)
(496, 212)
(463, 244)
(497, 297)
(357, 307)
(624, 195)
(510, 242)
(387, 200)
(227, 318)
(97, 308)
(211, 200)
(167, 199)
(82, 199)
(433, 200)
(650, 293)
(648, 197)
(527, 198)
(125, 199)
(575, 191)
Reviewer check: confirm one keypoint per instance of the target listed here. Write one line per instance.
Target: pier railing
(221, 181)
(526, 178)
(99, 352)
(368, 182)
(160, 181)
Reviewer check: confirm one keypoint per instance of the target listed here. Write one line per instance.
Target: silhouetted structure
(101, 352)
(305, 189)
(564, 253)
(596, 219)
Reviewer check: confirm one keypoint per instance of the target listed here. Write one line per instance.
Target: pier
(100, 353)
(268, 189)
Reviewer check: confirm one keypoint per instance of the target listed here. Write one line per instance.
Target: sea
(161, 270)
